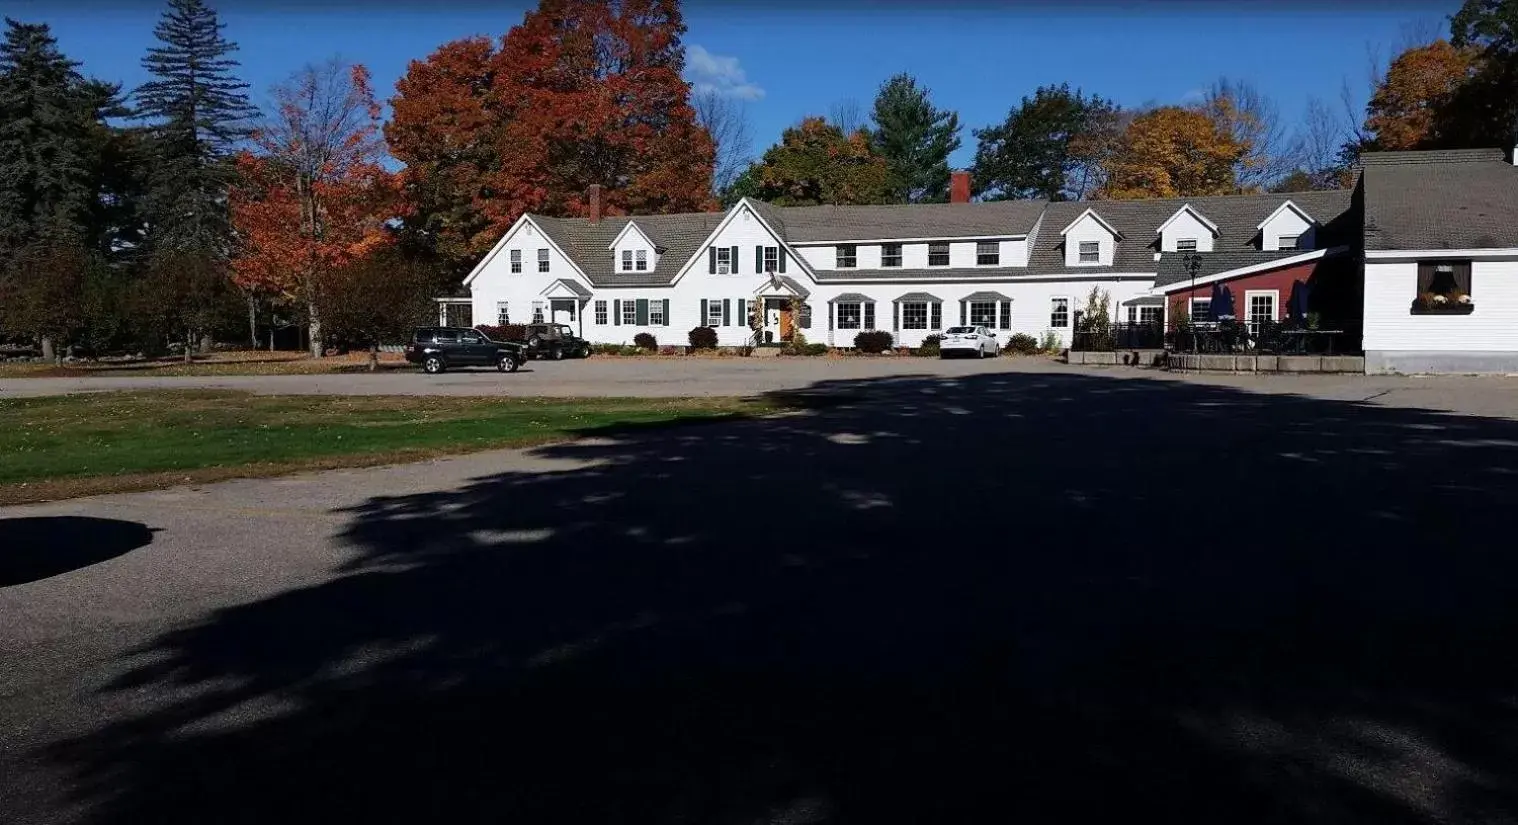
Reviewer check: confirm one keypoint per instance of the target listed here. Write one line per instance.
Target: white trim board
(1202, 219)
(501, 244)
(1282, 208)
(1099, 219)
(1410, 254)
(1278, 263)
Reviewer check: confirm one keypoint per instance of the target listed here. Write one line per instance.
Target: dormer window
(627, 260)
(1090, 252)
(1185, 245)
(938, 253)
(1288, 227)
(847, 256)
(642, 260)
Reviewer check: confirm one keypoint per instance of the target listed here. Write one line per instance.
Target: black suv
(438, 348)
(555, 341)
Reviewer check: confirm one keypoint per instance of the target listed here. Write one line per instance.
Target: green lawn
(84, 444)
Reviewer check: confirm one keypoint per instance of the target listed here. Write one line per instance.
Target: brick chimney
(593, 202)
(959, 186)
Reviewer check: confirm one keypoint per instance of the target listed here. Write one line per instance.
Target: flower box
(1420, 308)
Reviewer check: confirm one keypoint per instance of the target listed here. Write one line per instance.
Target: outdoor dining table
(1295, 340)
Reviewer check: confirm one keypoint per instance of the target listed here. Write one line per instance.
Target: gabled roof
(632, 226)
(1098, 218)
(1236, 216)
(588, 244)
(1439, 200)
(1185, 209)
(1282, 208)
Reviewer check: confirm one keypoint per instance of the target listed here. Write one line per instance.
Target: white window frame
(889, 260)
(908, 305)
(1054, 305)
(947, 253)
(543, 260)
(629, 312)
(981, 254)
(713, 311)
(995, 308)
(859, 317)
(516, 261)
(627, 260)
(1185, 244)
(539, 308)
(1294, 239)
(846, 256)
(502, 313)
(603, 317)
(771, 259)
(1191, 308)
(655, 312)
(1275, 306)
(1095, 253)
(642, 260)
(724, 260)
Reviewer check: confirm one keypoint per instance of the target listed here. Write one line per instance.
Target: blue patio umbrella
(1225, 308)
(1215, 305)
(1300, 293)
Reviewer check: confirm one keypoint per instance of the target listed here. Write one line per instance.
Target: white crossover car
(977, 342)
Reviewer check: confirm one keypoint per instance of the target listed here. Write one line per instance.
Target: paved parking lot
(971, 592)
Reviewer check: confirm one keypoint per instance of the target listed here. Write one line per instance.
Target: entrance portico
(566, 303)
(780, 299)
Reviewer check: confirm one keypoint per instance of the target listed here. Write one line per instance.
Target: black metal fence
(1136, 335)
(1266, 338)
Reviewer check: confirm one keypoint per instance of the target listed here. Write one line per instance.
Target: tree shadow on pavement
(1051, 598)
(38, 548)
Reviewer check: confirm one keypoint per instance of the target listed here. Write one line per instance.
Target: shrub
(815, 349)
(606, 349)
(669, 350)
(510, 332)
(1022, 344)
(872, 341)
(1051, 342)
(644, 340)
(703, 338)
(930, 346)
(627, 350)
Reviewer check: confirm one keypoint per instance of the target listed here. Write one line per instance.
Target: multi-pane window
(516, 260)
(1144, 315)
(1090, 252)
(848, 256)
(537, 312)
(1185, 245)
(938, 254)
(1262, 309)
(1287, 241)
(601, 314)
(627, 260)
(890, 254)
(771, 258)
(714, 312)
(849, 316)
(983, 313)
(656, 313)
(502, 313)
(724, 260)
(642, 260)
(1201, 309)
(542, 260)
(629, 312)
(1059, 313)
(987, 253)
(914, 315)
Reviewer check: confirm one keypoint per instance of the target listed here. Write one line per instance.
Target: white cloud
(1193, 96)
(709, 72)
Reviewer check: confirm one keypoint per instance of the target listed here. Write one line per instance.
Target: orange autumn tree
(1404, 112)
(317, 198)
(582, 92)
(1171, 152)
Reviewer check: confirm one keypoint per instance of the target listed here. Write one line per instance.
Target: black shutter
(962, 321)
(642, 312)
(733, 256)
(937, 311)
(701, 322)
(806, 316)
(758, 260)
(665, 314)
(727, 311)
(742, 313)
(781, 253)
(895, 316)
(616, 313)
(711, 260)
(869, 314)
(1006, 314)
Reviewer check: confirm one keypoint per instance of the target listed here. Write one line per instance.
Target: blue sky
(786, 59)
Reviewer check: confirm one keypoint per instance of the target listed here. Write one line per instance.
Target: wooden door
(787, 325)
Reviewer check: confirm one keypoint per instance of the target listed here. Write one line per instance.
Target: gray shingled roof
(1236, 217)
(981, 297)
(1172, 268)
(574, 286)
(803, 224)
(917, 298)
(1440, 200)
(588, 244)
(852, 298)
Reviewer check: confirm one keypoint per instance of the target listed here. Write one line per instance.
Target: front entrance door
(787, 324)
(563, 311)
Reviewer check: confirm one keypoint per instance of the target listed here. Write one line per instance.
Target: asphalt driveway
(1006, 594)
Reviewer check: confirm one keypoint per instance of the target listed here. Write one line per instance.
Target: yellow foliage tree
(1171, 152)
(1404, 112)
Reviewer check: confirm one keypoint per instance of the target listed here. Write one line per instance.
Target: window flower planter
(1420, 308)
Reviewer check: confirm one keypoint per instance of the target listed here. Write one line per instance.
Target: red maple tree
(582, 92)
(318, 197)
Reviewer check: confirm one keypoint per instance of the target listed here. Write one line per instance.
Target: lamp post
(1193, 262)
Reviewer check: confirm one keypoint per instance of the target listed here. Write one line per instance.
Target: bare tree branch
(726, 119)
(848, 115)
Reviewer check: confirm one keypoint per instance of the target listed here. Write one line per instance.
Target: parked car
(439, 349)
(976, 341)
(555, 341)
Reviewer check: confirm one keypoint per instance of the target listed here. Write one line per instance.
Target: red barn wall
(1279, 280)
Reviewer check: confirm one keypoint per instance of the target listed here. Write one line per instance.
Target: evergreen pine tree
(916, 139)
(48, 129)
(198, 113)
